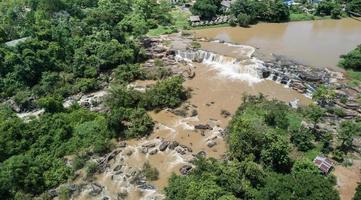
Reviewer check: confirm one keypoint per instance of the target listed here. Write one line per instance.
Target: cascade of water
(232, 68)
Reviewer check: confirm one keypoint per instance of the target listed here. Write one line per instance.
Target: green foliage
(269, 11)
(303, 185)
(166, 93)
(213, 179)
(324, 95)
(51, 104)
(91, 168)
(302, 139)
(128, 73)
(150, 173)
(354, 6)
(348, 130)
(79, 161)
(206, 9)
(257, 129)
(304, 166)
(328, 7)
(352, 60)
(243, 19)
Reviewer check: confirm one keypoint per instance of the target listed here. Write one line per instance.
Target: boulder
(53, 193)
(96, 189)
(180, 150)
(117, 168)
(201, 154)
(266, 74)
(307, 76)
(164, 145)
(211, 144)
(13, 105)
(153, 151)
(122, 144)
(145, 186)
(173, 145)
(185, 169)
(203, 127)
(149, 145)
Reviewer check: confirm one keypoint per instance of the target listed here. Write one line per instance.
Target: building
(324, 164)
(226, 4)
(194, 18)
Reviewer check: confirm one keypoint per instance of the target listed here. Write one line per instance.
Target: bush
(166, 93)
(51, 104)
(91, 168)
(243, 20)
(352, 60)
(336, 12)
(150, 173)
(302, 139)
(79, 161)
(128, 73)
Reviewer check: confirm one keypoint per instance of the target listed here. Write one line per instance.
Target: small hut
(324, 164)
(194, 18)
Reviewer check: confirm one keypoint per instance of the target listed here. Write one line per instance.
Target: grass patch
(180, 22)
(307, 17)
(311, 154)
(354, 77)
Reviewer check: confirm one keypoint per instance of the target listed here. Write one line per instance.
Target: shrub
(243, 20)
(79, 161)
(352, 60)
(91, 168)
(166, 93)
(150, 173)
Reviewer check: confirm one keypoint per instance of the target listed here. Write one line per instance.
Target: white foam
(227, 67)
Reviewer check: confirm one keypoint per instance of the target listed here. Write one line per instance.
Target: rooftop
(323, 163)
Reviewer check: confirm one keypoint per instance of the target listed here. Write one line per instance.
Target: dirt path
(347, 179)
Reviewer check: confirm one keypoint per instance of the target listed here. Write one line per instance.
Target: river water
(316, 43)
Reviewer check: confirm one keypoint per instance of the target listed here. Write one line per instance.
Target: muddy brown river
(317, 43)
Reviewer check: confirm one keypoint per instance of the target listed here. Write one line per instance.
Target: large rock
(153, 152)
(185, 170)
(164, 145)
(211, 144)
(173, 145)
(96, 189)
(203, 127)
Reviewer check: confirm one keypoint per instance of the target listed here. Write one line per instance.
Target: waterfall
(248, 69)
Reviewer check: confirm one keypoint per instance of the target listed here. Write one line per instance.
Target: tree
(346, 134)
(243, 20)
(352, 60)
(326, 7)
(303, 166)
(302, 139)
(354, 6)
(298, 186)
(206, 9)
(275, 152)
